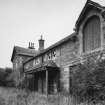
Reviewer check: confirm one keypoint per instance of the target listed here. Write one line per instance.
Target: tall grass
(13, 96)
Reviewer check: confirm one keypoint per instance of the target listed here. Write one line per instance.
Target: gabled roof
(88, 5)
(70, 37)
(23, 51)
(50, 63)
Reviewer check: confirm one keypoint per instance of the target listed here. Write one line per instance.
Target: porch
(44, 79)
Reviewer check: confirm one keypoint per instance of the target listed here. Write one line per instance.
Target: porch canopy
(43, 66)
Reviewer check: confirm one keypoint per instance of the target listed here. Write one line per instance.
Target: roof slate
(23, 51)
(56, 44)
(38, 53)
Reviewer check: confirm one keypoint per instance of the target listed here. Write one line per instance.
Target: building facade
(50, 68)
(19, 56)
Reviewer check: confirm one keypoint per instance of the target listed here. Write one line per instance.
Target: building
(50, 68)
(19, 56)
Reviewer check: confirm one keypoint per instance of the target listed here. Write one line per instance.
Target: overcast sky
(22, 21)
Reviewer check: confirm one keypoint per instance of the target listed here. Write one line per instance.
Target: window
(91, 34)
(16, 65)
(20, 60)
(51, 55)
(36, 61)
(27, 66)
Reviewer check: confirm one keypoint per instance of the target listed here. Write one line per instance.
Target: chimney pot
(31, 45)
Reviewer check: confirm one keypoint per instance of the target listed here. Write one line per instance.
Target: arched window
(91, 34)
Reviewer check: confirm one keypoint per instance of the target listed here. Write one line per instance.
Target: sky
(24, 21)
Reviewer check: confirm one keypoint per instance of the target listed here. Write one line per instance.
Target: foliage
(88, 80)
(5, 77)
(13, 96)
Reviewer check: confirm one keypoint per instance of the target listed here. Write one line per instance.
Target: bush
(88, 80)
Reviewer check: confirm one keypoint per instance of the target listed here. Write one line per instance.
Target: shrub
(88, 81)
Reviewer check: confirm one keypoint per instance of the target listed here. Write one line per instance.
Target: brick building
(50, 68)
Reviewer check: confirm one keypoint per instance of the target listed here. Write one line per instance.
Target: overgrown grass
(12, 96)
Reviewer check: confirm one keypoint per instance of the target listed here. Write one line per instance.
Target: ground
(13, 96)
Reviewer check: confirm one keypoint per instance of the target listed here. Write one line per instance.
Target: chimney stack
(31, 45)
(41, 44)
